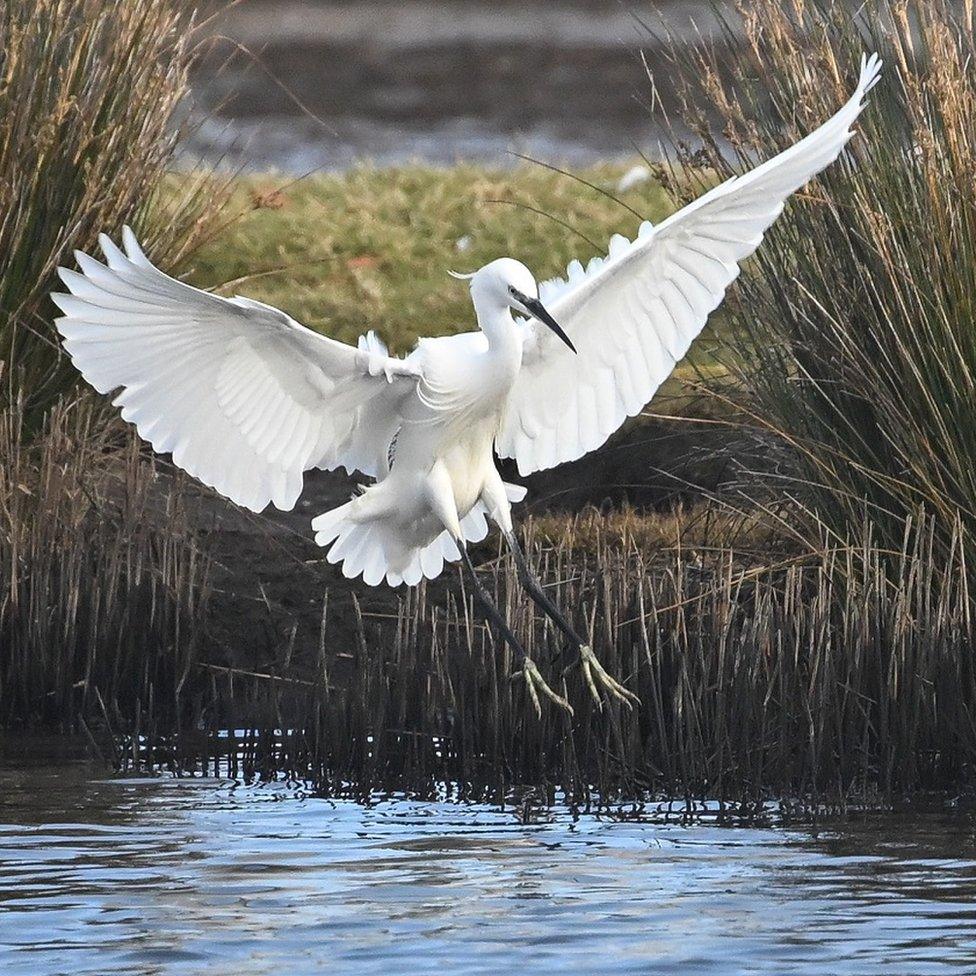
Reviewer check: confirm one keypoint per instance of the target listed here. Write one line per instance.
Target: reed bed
(103, 584)
(851, 333)
(828, 656)
(827, 679)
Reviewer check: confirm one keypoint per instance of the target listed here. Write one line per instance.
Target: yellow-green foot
(535, 684)
(597, 677)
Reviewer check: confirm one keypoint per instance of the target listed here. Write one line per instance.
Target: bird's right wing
(634, 314)
(244, 397)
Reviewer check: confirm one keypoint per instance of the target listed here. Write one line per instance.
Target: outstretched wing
(244, 397)
(633, 314)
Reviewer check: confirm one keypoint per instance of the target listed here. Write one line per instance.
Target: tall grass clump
(852, 329)
(103, 587)
(89, 92)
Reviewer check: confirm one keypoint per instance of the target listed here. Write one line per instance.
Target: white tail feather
(381, 549)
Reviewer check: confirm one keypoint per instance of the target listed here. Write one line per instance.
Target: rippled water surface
(183, 876)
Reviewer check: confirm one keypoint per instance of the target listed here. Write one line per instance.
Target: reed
(103, 583)
(838, 677)
(851, 334)
(89, 102)
(838, 669)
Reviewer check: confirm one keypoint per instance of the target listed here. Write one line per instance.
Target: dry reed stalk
(103, 583)
(90, 94)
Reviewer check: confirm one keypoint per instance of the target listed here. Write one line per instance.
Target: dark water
(299, 85)
(190, 877)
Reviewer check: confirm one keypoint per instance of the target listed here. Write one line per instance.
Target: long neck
(499, 326)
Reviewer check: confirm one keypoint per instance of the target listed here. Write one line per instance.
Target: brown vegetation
(839, 676)
(89, 92)
(852, 336)
(103, 585)
(807, 634)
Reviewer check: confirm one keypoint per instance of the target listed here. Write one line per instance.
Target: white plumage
(246, 399)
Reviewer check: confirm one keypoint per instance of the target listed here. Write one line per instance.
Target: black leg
(492, 613)
(593, 671)
(534, 588)
(529, 671)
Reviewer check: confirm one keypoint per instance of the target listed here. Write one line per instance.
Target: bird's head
(507, 283)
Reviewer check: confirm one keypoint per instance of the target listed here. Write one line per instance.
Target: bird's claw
(596, 675)
(535, 683)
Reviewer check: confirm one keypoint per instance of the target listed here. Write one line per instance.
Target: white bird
(246, 399)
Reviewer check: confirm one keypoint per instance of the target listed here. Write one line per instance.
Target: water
(299, 86)
(188, 877)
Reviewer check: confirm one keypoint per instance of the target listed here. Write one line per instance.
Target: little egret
(246, 399)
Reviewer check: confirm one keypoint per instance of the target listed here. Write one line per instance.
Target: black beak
(534, 307)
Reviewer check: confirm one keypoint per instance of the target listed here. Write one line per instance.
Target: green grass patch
(370, 249)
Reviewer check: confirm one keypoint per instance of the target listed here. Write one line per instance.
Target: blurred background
(302, 85)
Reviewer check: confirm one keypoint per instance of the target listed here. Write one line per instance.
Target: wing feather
(242, 396)
(634, 314)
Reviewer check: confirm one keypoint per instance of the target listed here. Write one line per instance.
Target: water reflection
(181, 877)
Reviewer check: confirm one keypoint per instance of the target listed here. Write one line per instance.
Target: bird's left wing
(633, 315)
(244, 397)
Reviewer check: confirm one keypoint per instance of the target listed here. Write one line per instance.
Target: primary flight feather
(634, 314)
